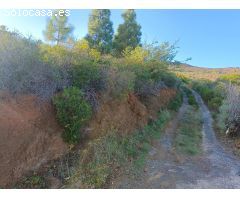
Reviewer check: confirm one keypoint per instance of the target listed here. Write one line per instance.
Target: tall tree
(58, 30)
(100, 30)
(128, 33)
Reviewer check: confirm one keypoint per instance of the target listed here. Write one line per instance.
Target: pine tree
(128, 33)
(58, 30)
(100, 31)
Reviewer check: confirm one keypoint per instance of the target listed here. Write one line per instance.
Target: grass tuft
(189, 137)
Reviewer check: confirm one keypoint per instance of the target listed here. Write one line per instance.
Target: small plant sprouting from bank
(72, 112)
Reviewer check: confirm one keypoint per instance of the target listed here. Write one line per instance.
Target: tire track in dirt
(224, 166)
(165, 168)
(161, 164)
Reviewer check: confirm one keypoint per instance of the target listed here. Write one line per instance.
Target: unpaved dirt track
(224, 166)
(165, 168)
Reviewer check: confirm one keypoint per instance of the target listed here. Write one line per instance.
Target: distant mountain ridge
(195, 72)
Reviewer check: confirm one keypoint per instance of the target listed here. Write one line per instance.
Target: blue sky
(210, 37)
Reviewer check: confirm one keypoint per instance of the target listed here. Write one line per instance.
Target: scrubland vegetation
(220, 90)
(76, 74)
(79, 75)
(222, 97)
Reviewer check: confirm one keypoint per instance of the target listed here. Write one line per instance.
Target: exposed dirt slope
(126, 116)
(29, 136)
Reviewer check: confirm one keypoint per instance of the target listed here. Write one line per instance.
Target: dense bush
(170, 79)
(151, 77)
(137, 55)
(72, 112)
(89, 75)
(57, 56)
(82, 50)
(120, 83)
(222, 117)
(233, 110)
(159, 72)
(22, 69)
(143, 81)
(224, 99)
(210, 94)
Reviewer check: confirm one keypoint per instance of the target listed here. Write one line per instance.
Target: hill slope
(202, 72)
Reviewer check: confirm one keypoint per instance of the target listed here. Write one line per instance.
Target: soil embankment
(30, 135)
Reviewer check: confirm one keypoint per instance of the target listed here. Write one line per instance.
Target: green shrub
(215, 103)
(157, 71)
(169, 79)
(210, 93)
(192, 101)
(222, 117)
(120, 83)
(190, 96)
(72, 112)
(88, 74)
(58, 55)
(143, 78)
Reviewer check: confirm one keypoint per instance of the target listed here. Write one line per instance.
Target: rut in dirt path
(165, 168)
(161, 162)
(224, 166)
(167, 139)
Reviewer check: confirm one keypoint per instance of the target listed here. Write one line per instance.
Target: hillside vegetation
(105, 94)
(78, 112)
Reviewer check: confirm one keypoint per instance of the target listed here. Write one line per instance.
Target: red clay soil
(29, 136)
(120, 116)
(126, 116)
(155, 103)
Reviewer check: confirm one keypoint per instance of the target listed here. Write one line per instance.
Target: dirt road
(166, 168)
